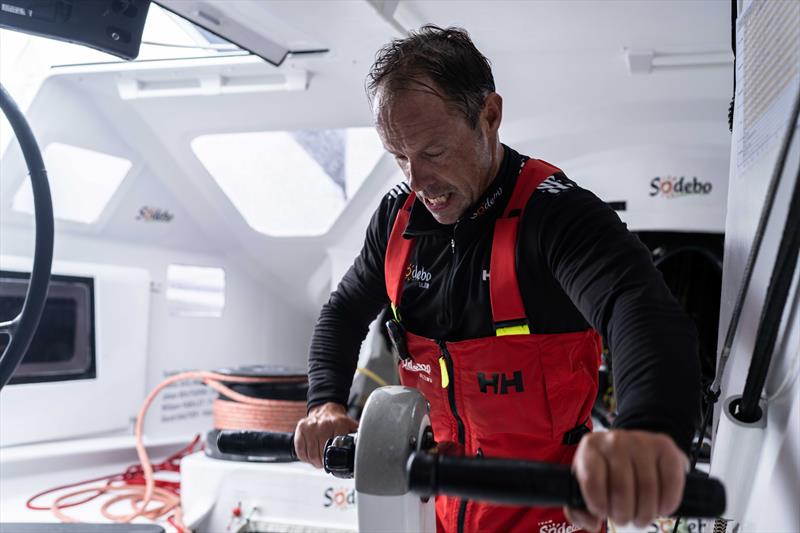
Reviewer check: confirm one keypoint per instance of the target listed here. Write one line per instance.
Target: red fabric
(516, 395)
(559, 376)
(505, 296)
(397, 252)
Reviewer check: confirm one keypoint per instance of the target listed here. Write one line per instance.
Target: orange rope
(282, 416)
(138, 484)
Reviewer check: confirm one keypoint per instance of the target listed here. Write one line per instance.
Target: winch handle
(517, 482)
(274, 445)
(338, 458)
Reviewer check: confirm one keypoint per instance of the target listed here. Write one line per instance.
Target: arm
(336, 340)
(609, 276)
(626, 474)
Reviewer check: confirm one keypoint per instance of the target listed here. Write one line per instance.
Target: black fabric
(578, 266)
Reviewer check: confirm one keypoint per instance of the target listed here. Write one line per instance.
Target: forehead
(414, 115)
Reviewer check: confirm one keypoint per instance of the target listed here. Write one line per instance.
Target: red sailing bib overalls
(518, 394)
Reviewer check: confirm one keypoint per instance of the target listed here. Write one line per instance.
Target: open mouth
(436, 203)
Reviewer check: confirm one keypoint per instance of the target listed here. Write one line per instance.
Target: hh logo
(500, 383)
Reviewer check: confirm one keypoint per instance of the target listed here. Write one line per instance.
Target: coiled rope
(138, 484)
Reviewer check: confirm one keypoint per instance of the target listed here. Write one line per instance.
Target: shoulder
(398, 192)
(392, 201)
(560, 201)
(560, 190)
(386, 212)
(557, 191)
(556, 184)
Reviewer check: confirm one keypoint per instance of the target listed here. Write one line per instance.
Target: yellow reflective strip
(372, 375)
(443, 370)
(513, 330)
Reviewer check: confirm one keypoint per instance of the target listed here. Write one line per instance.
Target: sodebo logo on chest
(411, 366)
(487, 203)
(423, 370)
(419, 274)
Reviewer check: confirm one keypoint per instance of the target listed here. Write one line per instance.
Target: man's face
(447, 162)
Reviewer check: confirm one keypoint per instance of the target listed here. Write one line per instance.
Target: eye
(433, 155)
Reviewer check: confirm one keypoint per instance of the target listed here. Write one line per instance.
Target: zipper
(462, 508)
(448, 382)
(449, 280)
(446, 363)
(451, 391)
(462, 514)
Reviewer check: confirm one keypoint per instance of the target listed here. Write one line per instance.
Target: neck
(494, 167)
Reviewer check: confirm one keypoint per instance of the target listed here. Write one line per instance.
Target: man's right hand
(323, 422)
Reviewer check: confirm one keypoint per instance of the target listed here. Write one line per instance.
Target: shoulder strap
(508, 311)
(397, 251)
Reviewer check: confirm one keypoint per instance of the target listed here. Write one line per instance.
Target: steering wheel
(22, 327)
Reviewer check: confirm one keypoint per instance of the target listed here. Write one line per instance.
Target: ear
(491, 114)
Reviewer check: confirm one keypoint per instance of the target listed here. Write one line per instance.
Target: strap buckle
(397, 334)
(574, 435)
(512, 327)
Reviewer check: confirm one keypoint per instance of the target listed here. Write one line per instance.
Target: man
(498, 267)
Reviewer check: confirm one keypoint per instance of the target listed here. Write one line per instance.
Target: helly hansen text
(500, 383)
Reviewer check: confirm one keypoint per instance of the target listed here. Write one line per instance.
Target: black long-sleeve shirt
(578, 267)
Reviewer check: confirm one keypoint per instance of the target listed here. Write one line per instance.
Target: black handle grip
(268, 444)
(515, 482)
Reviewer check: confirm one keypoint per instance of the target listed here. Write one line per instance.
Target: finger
(672, 467)
(315, 448)
(621, 481)
(647, 489)
(300, 442)
(321, 450)
(583, 519)
(310, 437)
(591, 471)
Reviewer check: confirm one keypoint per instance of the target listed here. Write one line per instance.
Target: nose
(417, 175)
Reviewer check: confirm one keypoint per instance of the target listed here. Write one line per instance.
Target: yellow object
(395, 313)
(372, 375)
(513, 330)
(445, 376)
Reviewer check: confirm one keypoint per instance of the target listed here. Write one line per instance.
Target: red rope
(133, 475)
(137, 483)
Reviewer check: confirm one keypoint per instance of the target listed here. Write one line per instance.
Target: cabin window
(290, 183)
(195, 291)
(69, 169)
(63, 347)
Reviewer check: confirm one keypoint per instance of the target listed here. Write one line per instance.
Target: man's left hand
(627, 476)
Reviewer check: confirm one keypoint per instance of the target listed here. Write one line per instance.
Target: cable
(772, 313)
(212, 380)
(128, 482)
(372, 375)
(281, 416)
(138, 484)
(758, 238)
(793, 371)
(713, 391)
